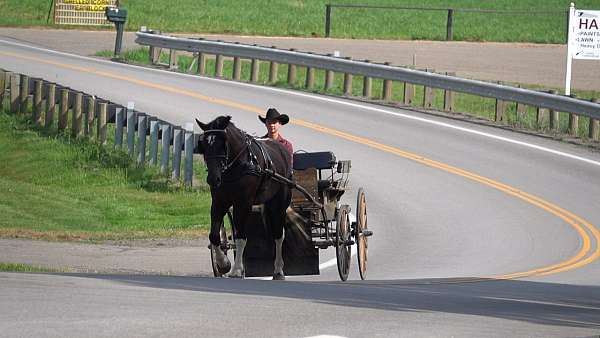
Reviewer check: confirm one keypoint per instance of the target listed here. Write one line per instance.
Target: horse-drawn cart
(316, 220)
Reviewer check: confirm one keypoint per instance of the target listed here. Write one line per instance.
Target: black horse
(240, 169)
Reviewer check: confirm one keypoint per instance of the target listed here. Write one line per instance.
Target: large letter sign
(583, 40)
(586, 35)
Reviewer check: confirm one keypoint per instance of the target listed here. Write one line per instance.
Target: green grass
(58, 188)
(477, 106)
(10, 267)
(307, 18)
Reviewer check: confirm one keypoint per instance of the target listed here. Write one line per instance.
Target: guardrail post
(189, 157)
(593, 128)
(541, 116)
(2, 87)
(367, 84)
(387, 87)
(90, 116)
(119, 124)
(14, 93)
(101, 129)
(130, 128)
(291, 72)
(327, 20)
(24, 93)
(553, 114)
(449, 96)
(500, 109)
(273, 71)
(77, 117)
(521, 109)
(177, 145)
(237, 68)
(573, 121)
(154, 128)
(154, 54)
(37, 102)
(329, 77)
(173, 60)
(219, 66)
(166, 142)
(63, 110)
(347, 81)
(254, 69)
(428, 94)
(409, 93)
(50, 105)
(310, 78)
(142, 126)
(202, 63)
(450, 24)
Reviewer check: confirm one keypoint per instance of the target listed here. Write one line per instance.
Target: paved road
(521, 63)
(451, 204)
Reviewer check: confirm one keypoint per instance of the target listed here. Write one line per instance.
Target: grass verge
(480, 107)
(10, 267)
(531, 20)
(58, 188)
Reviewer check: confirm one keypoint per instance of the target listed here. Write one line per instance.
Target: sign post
(583, 39)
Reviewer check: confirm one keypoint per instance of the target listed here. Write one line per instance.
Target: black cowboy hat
(273, 114)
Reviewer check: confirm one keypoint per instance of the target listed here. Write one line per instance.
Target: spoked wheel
(361, 233)
(343, 246)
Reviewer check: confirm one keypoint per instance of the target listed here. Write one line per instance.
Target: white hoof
(236, 274)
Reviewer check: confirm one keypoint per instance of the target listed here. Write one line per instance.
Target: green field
(57, 188)
(307, 18)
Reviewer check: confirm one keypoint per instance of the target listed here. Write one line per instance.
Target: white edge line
(317, 97)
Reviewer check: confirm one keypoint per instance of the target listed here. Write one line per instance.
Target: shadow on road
(534, 302)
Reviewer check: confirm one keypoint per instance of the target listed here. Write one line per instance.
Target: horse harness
(252, 164)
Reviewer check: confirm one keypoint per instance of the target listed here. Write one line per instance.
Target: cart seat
(318, 160)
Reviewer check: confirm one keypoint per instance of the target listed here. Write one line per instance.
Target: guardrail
(54, 106)
(549, 101)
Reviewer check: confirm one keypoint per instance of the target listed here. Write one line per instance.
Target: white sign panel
(585, 35)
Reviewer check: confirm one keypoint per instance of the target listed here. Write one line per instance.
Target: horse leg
(240, 215)
(278, 265)
(278, 208)
(216, 222)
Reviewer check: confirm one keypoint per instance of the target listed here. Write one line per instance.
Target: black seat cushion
(319, 160)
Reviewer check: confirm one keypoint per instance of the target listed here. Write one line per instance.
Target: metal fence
(66, 110)
(450, 14)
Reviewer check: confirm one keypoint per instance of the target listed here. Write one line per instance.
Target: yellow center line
(583, 257)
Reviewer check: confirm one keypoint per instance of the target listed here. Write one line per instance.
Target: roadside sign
(586, 35)
(82, 12)
(583, 40)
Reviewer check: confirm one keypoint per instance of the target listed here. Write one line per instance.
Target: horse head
(213, 146)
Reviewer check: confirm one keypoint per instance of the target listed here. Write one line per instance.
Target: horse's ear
(202, 125)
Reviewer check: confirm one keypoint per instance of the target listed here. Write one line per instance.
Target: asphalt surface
(451, 204)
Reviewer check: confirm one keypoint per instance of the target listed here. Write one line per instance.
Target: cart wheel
(361, 233)
(343, 247)
(224, 245)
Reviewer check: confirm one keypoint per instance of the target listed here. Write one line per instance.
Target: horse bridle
(225, 157)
